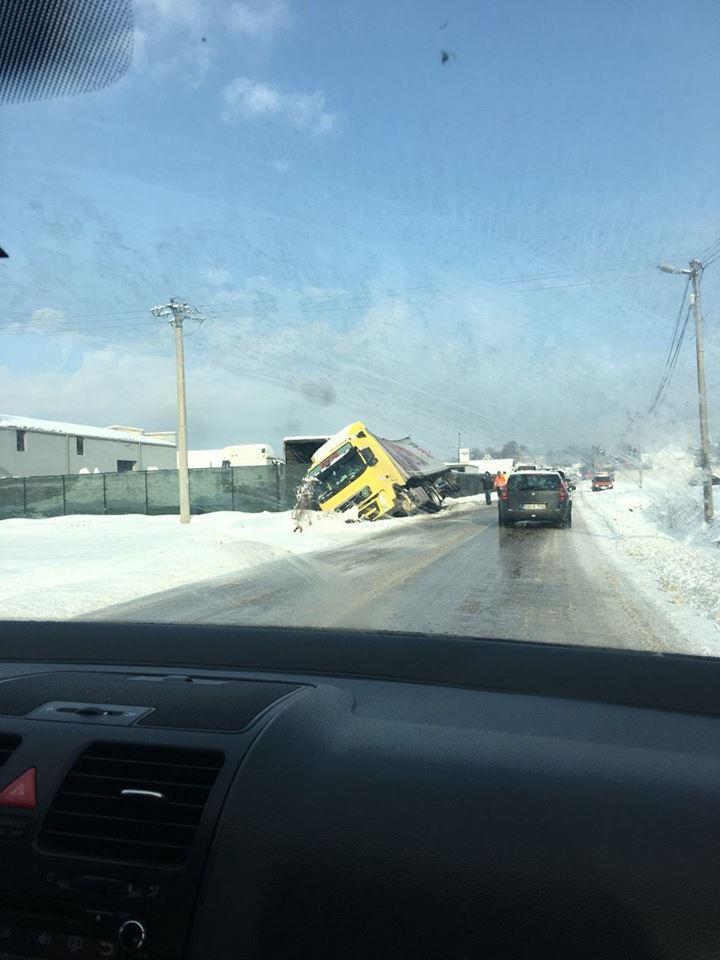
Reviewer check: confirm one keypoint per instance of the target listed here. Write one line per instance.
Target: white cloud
(171, 39)
(45, 319)
(282, 166)
(218, 276)
(247, 100)
(184, 12)
(185, 38)
(259, 19)
(95, 390)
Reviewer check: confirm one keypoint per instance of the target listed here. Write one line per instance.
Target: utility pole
(459, 444)
(705, 463)
(694, 271)
(178, 313)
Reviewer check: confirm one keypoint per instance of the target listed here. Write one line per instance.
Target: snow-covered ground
(657, 534)
(66, 566)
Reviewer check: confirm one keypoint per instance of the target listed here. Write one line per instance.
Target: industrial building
(37, 448)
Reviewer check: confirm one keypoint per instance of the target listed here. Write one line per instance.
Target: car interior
(183, 792)
(213, 792)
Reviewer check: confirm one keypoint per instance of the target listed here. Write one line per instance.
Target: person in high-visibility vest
(500, 481)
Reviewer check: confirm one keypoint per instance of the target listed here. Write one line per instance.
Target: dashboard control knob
(132, 935)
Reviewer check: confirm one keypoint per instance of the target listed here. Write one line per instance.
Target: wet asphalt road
(456, 572)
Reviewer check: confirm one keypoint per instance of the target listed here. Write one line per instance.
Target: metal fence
(153, 492)
(469, 483)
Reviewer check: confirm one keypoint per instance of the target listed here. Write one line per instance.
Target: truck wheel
(434, 504)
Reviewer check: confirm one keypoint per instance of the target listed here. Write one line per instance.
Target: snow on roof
(10, 422)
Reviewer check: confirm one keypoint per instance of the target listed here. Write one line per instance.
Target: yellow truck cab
(379, 477)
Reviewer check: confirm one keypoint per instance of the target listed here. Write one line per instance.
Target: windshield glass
(534, 481)
(346, 465)
(474, 237)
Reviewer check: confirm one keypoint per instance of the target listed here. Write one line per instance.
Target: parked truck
(237, 455)
(356, 468)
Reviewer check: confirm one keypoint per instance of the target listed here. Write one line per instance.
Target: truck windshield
(345, 466)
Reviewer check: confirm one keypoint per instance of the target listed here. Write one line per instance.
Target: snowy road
(457, 572)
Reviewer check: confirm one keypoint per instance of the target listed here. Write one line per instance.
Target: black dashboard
(197, 793)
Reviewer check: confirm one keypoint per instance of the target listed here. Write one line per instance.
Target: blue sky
(370, 232)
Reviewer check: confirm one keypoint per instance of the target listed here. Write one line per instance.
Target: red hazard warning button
(21, 792)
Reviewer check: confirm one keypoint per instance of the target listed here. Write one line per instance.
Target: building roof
(491, 465)
(313, 437)
(11, 422)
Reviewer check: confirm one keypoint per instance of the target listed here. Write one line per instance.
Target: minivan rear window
(534, 481)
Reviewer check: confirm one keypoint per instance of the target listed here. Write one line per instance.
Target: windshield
(346, 465)
(534, 481)
(449, 241)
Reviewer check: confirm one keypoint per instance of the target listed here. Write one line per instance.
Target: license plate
(534, 506)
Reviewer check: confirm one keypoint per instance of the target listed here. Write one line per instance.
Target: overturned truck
(378, 477)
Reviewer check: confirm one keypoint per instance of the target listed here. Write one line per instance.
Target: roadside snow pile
(675, 498)
(66, 566)
(659, 531)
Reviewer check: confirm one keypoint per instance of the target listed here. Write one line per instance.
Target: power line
(665, 383)
(673, 359)
(713, 258)
(709, 249)
(673, 351)
(361, 298)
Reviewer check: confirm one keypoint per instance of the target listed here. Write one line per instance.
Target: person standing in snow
(499, 482)
(487, 485)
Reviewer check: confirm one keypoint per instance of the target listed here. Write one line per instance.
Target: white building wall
(205, 458)
(47, 454)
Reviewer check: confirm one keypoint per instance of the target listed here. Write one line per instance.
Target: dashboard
(197, 793)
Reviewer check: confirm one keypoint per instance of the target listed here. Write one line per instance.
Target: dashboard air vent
(132, 803)
(9, 743)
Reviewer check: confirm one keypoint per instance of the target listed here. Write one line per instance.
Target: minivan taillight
(562, 493)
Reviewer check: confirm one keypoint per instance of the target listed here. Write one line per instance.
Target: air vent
(9, 743)
(132, 803)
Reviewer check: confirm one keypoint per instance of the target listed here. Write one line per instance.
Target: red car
(602, 482)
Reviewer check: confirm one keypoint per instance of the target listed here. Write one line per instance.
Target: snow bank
(658, 530)
(66, 566)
